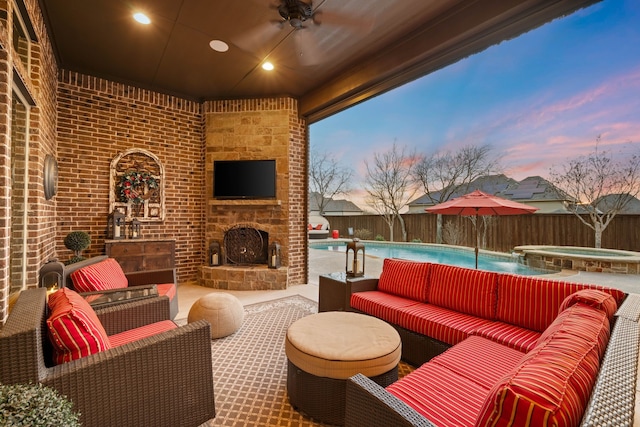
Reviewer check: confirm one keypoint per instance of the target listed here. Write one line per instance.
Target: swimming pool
(442, 254)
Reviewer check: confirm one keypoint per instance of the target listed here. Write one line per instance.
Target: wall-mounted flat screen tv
(244, 179)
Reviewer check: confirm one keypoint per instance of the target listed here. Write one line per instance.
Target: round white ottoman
(223, 311)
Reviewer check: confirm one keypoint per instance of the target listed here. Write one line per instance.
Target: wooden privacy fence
(503, 233)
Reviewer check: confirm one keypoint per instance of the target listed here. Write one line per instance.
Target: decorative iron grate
(244, 245)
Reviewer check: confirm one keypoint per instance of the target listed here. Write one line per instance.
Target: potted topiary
(35, 405)
(77, 241)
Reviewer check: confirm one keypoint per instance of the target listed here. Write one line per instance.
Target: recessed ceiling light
(142, 18)
(219, 45)
(267, 66)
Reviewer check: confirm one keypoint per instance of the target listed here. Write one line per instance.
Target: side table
(336, 289)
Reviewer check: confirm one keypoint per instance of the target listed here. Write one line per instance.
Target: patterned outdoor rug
(250, 367)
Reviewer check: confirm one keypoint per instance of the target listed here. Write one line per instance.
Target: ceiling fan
(298, 14)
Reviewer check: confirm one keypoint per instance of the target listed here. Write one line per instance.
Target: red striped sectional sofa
(493, 349)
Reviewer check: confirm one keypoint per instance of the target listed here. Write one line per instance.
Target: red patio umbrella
(478, 203)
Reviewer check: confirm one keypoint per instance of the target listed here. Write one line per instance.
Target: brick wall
(39, 84)
(99, 119)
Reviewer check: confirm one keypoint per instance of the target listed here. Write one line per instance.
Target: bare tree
(327, 178)
(445, 173)
(600, 185)
(390, 186)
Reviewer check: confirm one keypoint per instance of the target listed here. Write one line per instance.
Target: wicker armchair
(163, 380)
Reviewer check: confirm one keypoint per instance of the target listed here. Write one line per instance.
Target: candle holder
(215, 257)
(116, 225)
(134, 232)
(355, 258)
(273, 260)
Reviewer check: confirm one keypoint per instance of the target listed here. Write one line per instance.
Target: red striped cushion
(463, 289)
(497, 360)
(100, 276)
(534, 303)
(453, 401)
(74, 329)
(440, 323)
(594, 298)
(380, 304)
(408, 279)
(141, 332)
(168, 289)
(512, 336)
(552, 385)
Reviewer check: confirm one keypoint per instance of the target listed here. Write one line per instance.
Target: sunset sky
(537, 100)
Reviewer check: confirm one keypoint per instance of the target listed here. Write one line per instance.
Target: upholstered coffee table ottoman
(224, 311)
(325, 349)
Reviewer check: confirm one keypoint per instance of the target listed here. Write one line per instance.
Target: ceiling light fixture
(267, 66)
(142, 18)
(219, 45)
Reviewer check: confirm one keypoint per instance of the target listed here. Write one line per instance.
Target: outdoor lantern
(215, 257)
(115, 225)
(51, 276)
(135, 229)
(355, 258)
(274, 255)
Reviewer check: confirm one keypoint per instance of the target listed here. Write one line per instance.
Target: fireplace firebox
(246, 245)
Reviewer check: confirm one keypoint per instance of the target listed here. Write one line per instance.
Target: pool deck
(322, 262)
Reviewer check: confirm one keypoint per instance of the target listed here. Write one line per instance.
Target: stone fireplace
(244, 228)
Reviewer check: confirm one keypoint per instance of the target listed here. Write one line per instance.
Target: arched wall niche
(137, 185)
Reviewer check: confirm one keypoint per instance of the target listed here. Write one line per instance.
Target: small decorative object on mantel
(355, 258)
(215, 257)
(135, 229)
(274, 255)
(115, 225)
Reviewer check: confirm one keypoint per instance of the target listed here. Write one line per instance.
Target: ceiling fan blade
(257, 37)
(361, 24)
(308, 51)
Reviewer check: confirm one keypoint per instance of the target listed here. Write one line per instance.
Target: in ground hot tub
(580, 258)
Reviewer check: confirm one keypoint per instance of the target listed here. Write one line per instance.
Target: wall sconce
(115, 225)
(273, 260)
(355, 258)
(51, 276)
(215, 257)
(135, 229)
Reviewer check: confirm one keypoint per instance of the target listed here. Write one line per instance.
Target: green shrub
(363, 234)
(74, 259)
(380, 237)
(416, 241)
(77, 241)
(35, 405)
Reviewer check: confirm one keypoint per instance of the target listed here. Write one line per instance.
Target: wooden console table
(142, 254)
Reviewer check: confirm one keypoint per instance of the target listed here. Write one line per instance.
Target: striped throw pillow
(100, 276)
(74, 329)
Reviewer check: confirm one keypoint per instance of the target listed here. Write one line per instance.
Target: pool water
(441, 254)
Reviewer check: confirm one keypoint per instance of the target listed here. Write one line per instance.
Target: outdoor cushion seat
(381, 305)
(512, 336)
(442, 324)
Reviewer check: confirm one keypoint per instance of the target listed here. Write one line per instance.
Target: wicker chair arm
(364, 285)
(130, 315)
(151, 277)
(370, 405)
(163, 380)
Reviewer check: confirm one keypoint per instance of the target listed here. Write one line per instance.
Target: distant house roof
(491, 184)
(534, 188)
(341, 205)
(606, 202)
